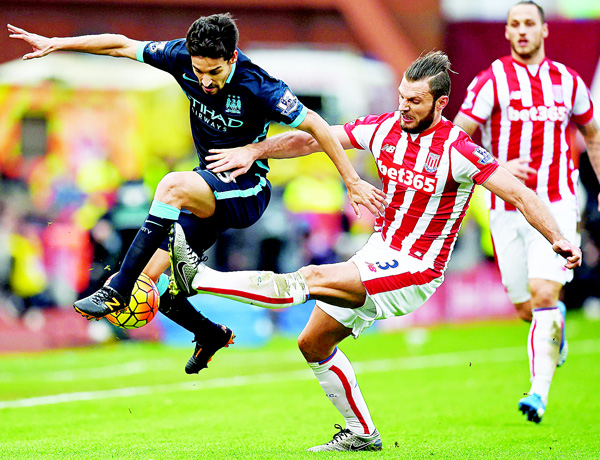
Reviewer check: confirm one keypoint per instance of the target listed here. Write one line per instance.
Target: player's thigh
(510, 247)
(238, 204)
(186, 190)
(339, 284)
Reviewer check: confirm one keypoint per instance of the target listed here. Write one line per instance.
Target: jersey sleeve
(283, 106)
(470, 162)
(362, 130)
(583, 107)
(162, 55)
(479, 101)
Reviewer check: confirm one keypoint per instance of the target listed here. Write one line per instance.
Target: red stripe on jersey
(570, 165)
(402, 280)
(348, 390)
(516, 127)
(554, 173)
(495, 133)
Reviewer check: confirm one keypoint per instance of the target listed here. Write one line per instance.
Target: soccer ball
(142, 306)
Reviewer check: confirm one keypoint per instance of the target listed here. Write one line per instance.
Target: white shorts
(523, 253)
(396, 285)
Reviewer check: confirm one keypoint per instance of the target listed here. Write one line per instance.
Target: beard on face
(530, 54)
(424, 124)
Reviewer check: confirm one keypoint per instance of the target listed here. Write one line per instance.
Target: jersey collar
(541, 64)
(231, 73)
(429, 130)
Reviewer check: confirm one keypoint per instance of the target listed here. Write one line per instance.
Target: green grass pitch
(448, 392)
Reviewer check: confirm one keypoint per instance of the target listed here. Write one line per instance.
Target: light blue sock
(162, 284)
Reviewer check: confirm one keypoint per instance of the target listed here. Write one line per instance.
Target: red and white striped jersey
(525, 112)
(428, 179)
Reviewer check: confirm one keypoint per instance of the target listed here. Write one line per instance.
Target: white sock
(337, 378)
(260, 288)
(543, 346)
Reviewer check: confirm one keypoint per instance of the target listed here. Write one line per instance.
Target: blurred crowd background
(85, 139)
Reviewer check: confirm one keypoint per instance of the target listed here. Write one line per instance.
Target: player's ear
(234, 58)
(441, 102)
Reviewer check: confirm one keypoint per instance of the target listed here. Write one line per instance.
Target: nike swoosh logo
(360, 446)
(185, 77)
(179, 268)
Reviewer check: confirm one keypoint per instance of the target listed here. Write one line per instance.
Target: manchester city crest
(233, 105)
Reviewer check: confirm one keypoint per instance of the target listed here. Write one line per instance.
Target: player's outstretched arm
(506, 186)
(238, 160)
(109, 44)
(315, 136)
(591, 135)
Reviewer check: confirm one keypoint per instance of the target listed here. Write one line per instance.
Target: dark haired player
(232, 102)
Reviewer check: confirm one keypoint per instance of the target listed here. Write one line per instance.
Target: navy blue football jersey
(239, 113)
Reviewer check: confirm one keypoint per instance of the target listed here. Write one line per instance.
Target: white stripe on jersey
(386, 126)
(525, 84)
(503, 99)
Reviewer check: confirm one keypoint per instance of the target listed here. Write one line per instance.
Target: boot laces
(103, 295)
(343, 433)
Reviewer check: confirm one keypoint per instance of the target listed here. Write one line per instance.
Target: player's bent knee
(309, 348)
(313, 274)
(169, 190)
(304, 345)
(544, 298)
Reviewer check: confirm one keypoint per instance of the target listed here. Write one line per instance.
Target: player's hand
(41, 45)
(519, 167)
(569, 251)
(237, 160)
(363, 193)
